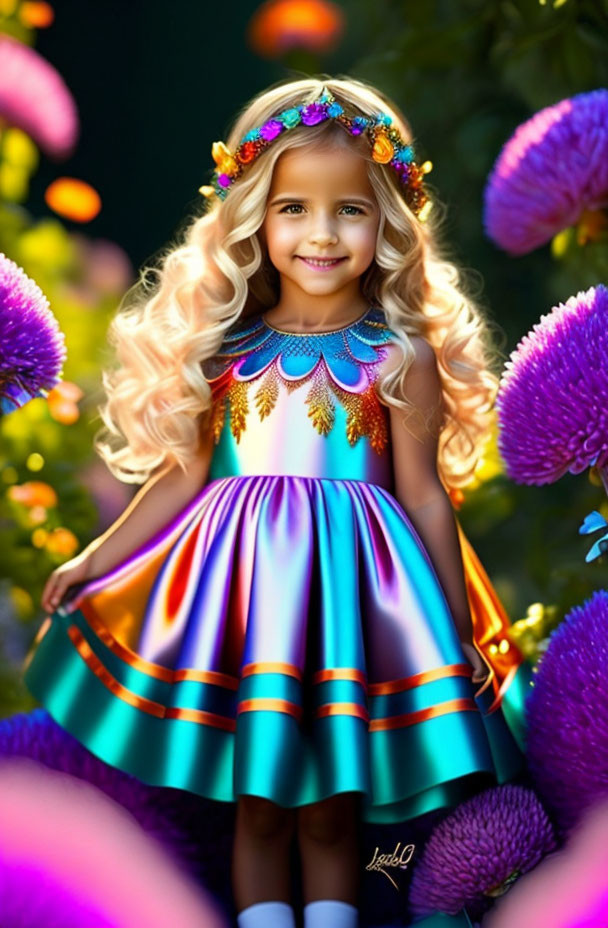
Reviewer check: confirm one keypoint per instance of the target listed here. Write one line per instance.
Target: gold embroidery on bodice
(342, 363)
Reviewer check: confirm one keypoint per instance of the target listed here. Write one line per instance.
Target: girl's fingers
(52, 595)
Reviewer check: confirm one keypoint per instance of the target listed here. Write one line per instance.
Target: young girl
(288, 615)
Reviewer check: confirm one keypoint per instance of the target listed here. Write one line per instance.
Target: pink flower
(34, 97)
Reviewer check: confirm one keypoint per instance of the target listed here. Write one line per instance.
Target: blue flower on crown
(405, 154)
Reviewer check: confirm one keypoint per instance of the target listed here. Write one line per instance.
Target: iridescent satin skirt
(286, 637)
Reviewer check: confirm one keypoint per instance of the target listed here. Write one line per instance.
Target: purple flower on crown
(567, 714)
(359, 124)
(552, 169)
(32, 347)
(271, 129)
(552, 400)
(314, 113)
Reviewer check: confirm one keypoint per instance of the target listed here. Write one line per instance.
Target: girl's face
(320, 205)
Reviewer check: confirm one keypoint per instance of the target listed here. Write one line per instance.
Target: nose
(322, 230)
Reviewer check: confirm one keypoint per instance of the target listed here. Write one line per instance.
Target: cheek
(280, 237)
(361, 239)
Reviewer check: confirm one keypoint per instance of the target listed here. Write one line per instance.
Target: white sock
(265, 914)
(330, 913)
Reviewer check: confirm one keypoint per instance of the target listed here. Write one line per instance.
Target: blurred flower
(530, 632)
(478, 850)
(35, 97)
(73, 198)
(278, 26)
(36, 15)
(457, 497)
(33, 493)
(489, 464)
(19, 150)
(196, 831)
(61, 541)
(34, 461)
(72, 856)
(32, 348)
(22, 601)
(19, 158)
(47, 245)
(552, 170)
(107, 268)
(568, 889)
(62, 400)
(552, 400)
(39, 537)
(567, 713)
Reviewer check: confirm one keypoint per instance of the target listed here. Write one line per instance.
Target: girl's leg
(260, 859)
(328, 837)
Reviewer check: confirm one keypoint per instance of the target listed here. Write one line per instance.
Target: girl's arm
(417, 484)
(153, 506)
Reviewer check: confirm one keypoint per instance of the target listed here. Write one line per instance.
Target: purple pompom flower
(32, 348)
(552, 400)
(478, 850)
(567, 713)
(552, 169)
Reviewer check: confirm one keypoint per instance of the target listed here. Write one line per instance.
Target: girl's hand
(480, 668)
(73, 571)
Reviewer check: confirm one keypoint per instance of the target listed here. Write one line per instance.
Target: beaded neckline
(340, 364)
(313, 334)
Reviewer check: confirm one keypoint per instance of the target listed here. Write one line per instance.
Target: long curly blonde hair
(176, 314)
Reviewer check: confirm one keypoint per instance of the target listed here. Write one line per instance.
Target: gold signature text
(380, 861)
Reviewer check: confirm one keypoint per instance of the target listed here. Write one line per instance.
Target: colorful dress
(286, 635)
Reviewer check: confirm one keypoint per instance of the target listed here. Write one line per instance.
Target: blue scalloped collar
(344, 350)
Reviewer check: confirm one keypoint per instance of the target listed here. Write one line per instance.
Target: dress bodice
(317, 412)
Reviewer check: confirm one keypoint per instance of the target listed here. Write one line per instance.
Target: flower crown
(386, 142)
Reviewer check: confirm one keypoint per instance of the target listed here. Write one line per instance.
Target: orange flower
(456, 496)
(280, 25)
(33, 493)
(62, 401)
(73, 198)
(36, 15)
(61, 541)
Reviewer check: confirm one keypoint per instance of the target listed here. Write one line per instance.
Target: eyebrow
(288, 199)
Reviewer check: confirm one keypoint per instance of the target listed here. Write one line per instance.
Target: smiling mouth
(321, 262)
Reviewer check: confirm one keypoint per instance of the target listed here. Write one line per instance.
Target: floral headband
(387, 148)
